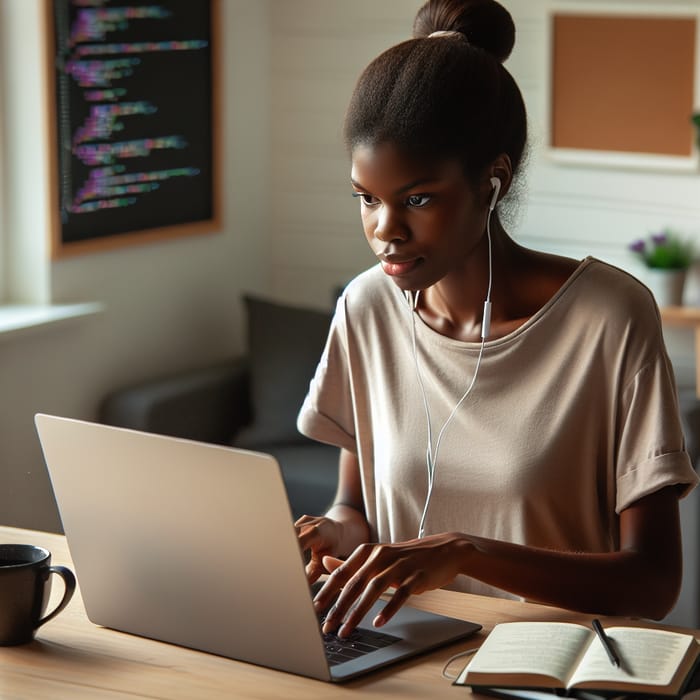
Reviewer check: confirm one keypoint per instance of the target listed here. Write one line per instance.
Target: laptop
(194, 544)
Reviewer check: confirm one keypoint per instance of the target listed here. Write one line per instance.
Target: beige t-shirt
(572, 418)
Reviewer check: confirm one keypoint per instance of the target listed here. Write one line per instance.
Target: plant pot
(666, 285)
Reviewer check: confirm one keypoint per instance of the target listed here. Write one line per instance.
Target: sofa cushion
(310, 474)
(285, 344)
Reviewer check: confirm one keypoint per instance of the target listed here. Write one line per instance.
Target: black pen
(605, 641)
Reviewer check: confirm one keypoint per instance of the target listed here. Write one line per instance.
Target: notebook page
(648, 656)
(550, 649)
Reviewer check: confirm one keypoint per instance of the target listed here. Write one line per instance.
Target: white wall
(27, 278)
(318, 50)
(167, 305)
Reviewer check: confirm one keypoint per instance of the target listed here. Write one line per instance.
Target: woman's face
(422, 220)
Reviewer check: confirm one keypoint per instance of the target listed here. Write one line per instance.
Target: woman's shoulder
(610, 302)
(371, 289)
(589, 280)
(615, 288)
(371, 304)
(588, 293)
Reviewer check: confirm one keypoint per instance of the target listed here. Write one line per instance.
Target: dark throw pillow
(285, 345)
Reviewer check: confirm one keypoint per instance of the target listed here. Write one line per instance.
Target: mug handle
(69, 585)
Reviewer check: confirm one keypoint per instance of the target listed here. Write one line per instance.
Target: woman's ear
(502, 170)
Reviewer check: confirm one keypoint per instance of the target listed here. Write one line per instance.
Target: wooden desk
(73, 659)
(686, 317)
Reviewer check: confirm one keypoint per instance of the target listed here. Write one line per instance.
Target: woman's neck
(523, 281)
(454, 306)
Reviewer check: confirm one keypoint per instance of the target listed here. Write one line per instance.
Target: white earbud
(496, 184)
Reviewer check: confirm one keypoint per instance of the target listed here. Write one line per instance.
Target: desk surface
(73, 659)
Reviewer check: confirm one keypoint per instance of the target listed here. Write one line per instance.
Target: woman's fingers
(331, 563)
(309, 534)
(340, 573)
(357, 607)
(360, 581)
(318, 534)
(356, 584)
(401, 595)
(314, 570)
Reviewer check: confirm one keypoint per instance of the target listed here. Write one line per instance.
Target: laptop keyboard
(362, 640)
(359, 643)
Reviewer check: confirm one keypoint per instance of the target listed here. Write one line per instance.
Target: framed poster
(625, 81)
(133, 121)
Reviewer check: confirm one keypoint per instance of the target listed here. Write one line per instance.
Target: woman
(536, 453)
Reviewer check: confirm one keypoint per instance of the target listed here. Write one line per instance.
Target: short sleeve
(327, 412)
(651, 447)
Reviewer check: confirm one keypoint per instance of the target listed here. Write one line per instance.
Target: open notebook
(194, 544)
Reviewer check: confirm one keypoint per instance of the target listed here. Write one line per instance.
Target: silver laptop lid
(184, 542)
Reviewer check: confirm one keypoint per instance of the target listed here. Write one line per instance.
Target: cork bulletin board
(623, 87)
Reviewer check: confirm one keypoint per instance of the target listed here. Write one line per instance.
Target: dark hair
(448, 95)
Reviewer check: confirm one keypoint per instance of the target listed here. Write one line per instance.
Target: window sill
(20, 319)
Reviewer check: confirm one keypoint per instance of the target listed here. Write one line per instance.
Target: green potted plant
(696, 120)
(666, 257)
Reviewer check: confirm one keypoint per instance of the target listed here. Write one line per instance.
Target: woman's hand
(320, 536)
(342, 528)
(410, 567)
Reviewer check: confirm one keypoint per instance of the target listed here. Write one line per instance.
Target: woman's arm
(641, 579)
(343, 528)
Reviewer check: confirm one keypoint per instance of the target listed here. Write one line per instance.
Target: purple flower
(664, 249)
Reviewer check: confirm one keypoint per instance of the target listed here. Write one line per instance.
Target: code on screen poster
(133, 115)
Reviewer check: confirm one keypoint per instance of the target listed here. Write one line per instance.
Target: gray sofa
(250, 402)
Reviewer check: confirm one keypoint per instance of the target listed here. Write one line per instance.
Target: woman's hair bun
(485, 23)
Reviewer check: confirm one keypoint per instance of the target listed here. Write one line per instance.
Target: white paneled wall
(318, 49)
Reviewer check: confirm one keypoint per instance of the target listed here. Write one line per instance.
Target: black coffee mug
(25, 585)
